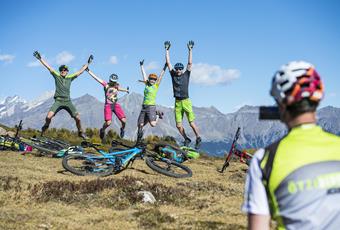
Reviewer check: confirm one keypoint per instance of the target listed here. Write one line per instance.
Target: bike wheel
(55, 144)
(168, 167)
(45, 150)
(46, 146)
(83, 165)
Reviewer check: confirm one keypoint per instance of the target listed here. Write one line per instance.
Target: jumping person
(180, 85)
(149, 114)
(296, 180)
(111, 103)
(62, 98)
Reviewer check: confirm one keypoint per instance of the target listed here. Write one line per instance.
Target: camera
(269, 113)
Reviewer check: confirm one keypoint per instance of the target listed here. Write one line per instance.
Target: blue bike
(116, 160)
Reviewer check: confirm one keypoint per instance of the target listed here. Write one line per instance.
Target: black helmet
(113, 78)
(62, 67)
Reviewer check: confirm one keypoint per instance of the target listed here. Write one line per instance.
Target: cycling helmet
(62, 67)
(153, 76)
(113, 78)
(179, 66)
(295, 81)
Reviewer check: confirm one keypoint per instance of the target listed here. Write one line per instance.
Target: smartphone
(269, 113)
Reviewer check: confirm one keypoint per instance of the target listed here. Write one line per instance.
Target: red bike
(243, 155)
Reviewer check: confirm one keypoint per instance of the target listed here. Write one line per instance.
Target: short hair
(303, 106)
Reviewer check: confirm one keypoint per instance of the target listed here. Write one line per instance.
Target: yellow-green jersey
(297, 180)
(150, 93)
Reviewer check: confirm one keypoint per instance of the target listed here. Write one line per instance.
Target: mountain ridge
(216, 128)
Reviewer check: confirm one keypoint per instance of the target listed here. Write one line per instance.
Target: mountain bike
(44, 145)
(48, 146)
(243, 155)
(175, 153)
(116, 160)
(14, 143)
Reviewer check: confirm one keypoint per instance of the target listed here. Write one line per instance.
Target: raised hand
(190, 45)
(90, 59)
(167, 45)
(128, 89)
(37, 55)
(87, 69)
(141, 62)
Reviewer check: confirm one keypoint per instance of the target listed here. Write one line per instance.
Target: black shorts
(147, 114)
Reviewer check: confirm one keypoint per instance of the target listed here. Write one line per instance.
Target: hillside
(35, 193)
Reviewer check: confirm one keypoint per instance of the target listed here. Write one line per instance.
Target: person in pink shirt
(111, 90)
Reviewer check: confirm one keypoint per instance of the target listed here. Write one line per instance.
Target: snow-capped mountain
(217, 129)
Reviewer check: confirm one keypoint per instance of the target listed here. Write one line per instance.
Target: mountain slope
(217, 129)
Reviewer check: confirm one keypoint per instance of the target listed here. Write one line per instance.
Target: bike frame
(175, 157)
(233, 150)
(122, 157)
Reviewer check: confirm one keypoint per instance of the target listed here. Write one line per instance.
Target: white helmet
(295, 81)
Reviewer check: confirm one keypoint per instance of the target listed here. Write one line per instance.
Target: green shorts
(67, 105)
(181, 107)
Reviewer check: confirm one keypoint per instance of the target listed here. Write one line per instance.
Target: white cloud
(207, 74)
(113, 60)
(152, 65)
(7, 58)
(33, 64)
(64, 57)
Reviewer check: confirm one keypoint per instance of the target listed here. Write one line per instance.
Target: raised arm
(190, 47)
(42, 61)
(141, 63)
(95, 77)
(127, 90)
(84, 66)
(167, 45)
(162, 74)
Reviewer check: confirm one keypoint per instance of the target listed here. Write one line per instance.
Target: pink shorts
(116, 108)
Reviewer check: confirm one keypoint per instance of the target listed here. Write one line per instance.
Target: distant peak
(248, 109)
(13, 99)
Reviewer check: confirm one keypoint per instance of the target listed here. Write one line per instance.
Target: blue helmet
(179, 66)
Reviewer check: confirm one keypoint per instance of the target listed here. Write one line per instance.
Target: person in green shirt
(62, 98)
(149, 113)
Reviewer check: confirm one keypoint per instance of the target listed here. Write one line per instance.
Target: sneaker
(102, 133)
(81, 135)
(160, 114)
(122, 132)
(198, 142)
(187, 142)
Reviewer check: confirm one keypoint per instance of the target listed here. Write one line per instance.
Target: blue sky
(239, 45)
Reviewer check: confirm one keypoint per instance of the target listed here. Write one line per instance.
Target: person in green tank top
(62, 97)
(296, 180)
(149, 113)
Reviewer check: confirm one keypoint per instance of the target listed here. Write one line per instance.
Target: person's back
(305, 178)
(296, 180)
